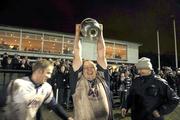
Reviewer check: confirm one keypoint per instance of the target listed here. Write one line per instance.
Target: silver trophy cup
(90, 28)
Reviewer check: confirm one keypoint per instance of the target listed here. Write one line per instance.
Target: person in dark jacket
(150, 98)
(60, 79)
(4, 61)
(16, 62)
(170, 77)
(178, 81)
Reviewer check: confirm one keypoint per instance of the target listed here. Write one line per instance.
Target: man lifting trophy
(90, 81)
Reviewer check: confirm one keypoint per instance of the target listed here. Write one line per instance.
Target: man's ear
(40, 71)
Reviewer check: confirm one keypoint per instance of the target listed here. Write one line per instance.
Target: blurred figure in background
(126, 84)
(4, 61)
(16, 62)
(178, 81)
(169, 76)
(116, 81)
(59, 80)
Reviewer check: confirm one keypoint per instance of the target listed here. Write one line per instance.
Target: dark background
(129, 20)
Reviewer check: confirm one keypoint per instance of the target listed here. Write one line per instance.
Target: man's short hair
(42, 64)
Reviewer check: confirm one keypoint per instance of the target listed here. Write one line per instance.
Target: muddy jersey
(24, 98)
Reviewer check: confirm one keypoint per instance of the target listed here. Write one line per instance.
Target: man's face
(144, 72)
(89, 70)
(178, 72)
(44, 75)
(62, 69)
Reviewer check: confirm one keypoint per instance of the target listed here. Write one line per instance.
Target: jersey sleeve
(104, 73)
(49, 97)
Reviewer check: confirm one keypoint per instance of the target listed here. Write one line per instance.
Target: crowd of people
(16, 62)
(89, 86)
(120, 78)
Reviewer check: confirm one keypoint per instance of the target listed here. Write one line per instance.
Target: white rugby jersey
(24, 99)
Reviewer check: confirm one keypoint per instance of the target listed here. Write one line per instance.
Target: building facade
(46, 44)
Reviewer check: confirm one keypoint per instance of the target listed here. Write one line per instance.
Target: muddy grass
(49, 115)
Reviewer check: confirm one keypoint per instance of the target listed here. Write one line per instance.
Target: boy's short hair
(42, 64)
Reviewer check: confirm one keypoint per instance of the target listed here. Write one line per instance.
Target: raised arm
(101, 50)
(77, 60)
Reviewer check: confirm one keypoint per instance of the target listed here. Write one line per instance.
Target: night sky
(130, 20)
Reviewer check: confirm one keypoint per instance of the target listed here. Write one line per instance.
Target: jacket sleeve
(171, 100)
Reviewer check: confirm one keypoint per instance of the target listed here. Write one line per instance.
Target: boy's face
(44, 75)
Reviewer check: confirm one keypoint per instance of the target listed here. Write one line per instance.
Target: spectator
(4, 61)
(16, 62)
(178, 81)
(169, 76)
(150, 98)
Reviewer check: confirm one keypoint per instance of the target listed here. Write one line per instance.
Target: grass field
(48, 115)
